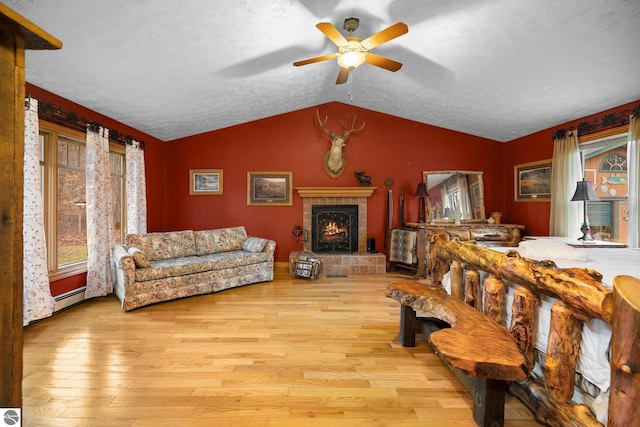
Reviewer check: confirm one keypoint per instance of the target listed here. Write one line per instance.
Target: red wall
(154, 159)
(534, 147)
(388, 147)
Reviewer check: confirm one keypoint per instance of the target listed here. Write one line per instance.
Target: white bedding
(610, 262)
(593, 363)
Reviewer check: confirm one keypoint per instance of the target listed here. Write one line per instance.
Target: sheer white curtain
(136, 189)
(465, 203)
(566, 171)
(37, 299)
(633, 166)
(100, 236)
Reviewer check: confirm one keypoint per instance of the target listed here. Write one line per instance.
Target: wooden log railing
(581, 296)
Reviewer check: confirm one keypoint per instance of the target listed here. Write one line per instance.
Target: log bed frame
(489, 367)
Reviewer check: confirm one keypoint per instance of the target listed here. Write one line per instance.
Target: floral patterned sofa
(157, 267)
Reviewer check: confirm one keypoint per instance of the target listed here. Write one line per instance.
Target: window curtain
(136, 189)
(566, 171)
(100, 236)
(465, 203)
(37, 300)
(633, 169)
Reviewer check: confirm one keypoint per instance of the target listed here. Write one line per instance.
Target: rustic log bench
(580, 296)
(483, 353)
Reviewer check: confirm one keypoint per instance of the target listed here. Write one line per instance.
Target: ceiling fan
(353, 51)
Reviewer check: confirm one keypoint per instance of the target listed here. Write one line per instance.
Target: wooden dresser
(484, 234)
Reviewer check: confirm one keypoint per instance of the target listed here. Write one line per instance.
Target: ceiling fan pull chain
(350, 87)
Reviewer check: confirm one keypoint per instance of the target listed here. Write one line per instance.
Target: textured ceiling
(499, 69)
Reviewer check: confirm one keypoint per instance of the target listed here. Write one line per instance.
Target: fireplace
(334, 228)
(357, 261)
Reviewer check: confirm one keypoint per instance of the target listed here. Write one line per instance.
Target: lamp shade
(421, 191)
(584, 191)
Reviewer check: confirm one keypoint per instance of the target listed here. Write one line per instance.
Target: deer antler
(322, 123)
(347, 132)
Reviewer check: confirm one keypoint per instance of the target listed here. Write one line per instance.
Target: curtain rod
(67, 118)
(597, 124)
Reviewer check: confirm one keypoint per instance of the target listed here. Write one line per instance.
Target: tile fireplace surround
(360, 262)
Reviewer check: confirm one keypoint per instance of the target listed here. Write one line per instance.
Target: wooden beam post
(524, 322)
(407, 326)
(624, 401)
(16, 35)
(495, 303)
(562, 351)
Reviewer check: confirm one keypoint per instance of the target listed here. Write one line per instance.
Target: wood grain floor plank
(285, 353)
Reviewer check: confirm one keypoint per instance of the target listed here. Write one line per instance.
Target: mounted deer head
(334, 160)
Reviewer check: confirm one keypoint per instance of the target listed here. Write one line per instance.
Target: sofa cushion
(234, 259)
(159, 246)
(173, 268)
(219, 240)
(254, 244)
(139, 258)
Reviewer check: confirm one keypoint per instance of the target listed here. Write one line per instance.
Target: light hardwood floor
(285, 353)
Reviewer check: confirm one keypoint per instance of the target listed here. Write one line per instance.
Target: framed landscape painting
(533, 181)
(205, 182)
(269, 189)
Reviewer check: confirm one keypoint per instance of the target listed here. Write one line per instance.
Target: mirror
(455, 191)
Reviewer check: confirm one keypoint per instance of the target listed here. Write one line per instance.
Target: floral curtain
(100, 235)
(136, 189)
(566, 171)
(37, 300)
(633, 166)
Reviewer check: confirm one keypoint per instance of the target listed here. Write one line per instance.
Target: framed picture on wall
(205, 182)
(533, 181)
(269, 188)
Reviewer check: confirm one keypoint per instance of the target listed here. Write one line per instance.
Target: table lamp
(584, 192)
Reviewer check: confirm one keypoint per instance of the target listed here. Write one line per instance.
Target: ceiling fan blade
(389, 33)
(316, 59)
(332, 33)
(343, 76)
(382, 62)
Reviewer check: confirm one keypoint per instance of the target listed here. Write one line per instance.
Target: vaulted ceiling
(500, 69)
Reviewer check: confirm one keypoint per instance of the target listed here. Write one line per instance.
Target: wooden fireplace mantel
(335, 191)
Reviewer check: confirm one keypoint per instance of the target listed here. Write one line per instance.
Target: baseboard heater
(68, 299)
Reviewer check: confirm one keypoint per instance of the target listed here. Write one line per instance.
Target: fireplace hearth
(334, 228)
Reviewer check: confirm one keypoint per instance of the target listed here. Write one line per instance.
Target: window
(71, 233)
(117, 195)
(604, 162)
(64, 193)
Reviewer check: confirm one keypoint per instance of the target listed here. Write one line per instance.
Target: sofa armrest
(269, 247)
(125, 272)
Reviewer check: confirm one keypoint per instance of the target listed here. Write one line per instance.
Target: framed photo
(533, 181)
(269, 188)
(205, 182)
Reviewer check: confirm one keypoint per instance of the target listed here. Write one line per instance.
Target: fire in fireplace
(334, 228)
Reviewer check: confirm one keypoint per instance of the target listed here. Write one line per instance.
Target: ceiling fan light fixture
(351, 59)
(353, 51)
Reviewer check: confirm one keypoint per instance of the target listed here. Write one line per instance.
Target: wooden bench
(579, 297)
(483, 352)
